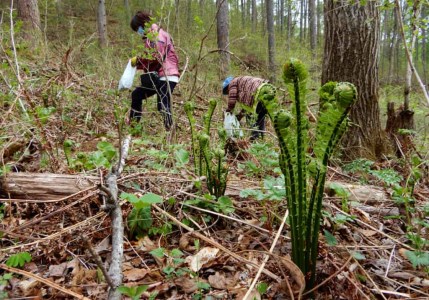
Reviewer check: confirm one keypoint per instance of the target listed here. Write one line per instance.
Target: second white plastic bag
(126, 81)
(232, 126)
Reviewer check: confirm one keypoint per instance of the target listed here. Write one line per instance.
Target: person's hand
(133, 61)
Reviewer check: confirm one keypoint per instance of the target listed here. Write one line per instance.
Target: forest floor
(193, 247)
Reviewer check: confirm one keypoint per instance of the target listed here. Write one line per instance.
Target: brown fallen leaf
(58, 270)
(254, 295)
(221, 282)
(135, 274)
(187, 284)
(204, 256)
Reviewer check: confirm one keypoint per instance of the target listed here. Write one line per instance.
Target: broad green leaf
(176, 253)
(203, 285)
(182, 157)
(151, 198)
(262, 288)
(158, 252)
(418, 258)
(330, 239)
(18, 259)
(225, 204)
(358, 255)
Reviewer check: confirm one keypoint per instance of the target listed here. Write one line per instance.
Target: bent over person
(244, 90)
(160, 65)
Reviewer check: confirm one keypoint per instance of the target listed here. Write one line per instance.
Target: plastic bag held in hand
(231, 125)
(127, 78)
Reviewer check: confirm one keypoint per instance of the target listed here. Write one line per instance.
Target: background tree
(271, 40)
(352, 54)
(223, 35)
(102, 23)
(28, 13)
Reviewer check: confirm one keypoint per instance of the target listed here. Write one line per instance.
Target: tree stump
(396, 120)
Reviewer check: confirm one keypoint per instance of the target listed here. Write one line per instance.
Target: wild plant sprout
(210, 162)
(305, 174)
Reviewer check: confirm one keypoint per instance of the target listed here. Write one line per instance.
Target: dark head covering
(139, 20)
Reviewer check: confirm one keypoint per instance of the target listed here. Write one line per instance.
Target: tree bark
(28, 12)
(271, 42)
(312, 25)
(102, 23)
(352, 34)
(223, 36)
(396, 120)
(254, 16)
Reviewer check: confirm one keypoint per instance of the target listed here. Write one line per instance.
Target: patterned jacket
(160, 55)
(243, 89)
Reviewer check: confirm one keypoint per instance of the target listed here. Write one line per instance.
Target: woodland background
(60, 66)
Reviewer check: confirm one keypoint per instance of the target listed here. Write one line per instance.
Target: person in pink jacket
(159, 57)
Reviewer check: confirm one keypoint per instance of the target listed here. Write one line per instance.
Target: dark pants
(259, 123)
(163, 90)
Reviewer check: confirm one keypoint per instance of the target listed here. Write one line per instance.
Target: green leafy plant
(18, 259)
(209, 162)
(103, 157)
(134, 292)
(175, 260)
(4, 280)
(140, 218)
(305, 175)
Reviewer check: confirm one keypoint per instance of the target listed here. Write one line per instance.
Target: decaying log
(43, 186)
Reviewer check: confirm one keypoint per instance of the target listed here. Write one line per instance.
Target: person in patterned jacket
(242, 89)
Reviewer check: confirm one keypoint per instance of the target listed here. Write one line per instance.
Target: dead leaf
(367, 232)
(221, 282)
(254, 295)
(29, 287)
(103, 245)
(204, 256)
(146, 244)
(135, 274)
(187, 284)
(186, 242)
(58, 270)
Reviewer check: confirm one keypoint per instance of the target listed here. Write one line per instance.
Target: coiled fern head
(293, 70)
(345, 93)
(189, 107)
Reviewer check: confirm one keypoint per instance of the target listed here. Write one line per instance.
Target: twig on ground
(97, 259)
(264, 262)
(43, 280)
(216, 244)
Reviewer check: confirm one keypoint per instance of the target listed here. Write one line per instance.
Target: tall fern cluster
(304, 165)
(208, 161)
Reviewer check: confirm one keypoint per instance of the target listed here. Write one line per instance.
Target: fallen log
(43, 186)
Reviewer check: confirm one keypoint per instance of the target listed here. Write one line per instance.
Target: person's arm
(232, 96)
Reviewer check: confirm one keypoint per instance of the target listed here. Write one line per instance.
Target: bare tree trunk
(188, 13)
(254, 16)
(127, 9)
(424, 50)
(289, 24)
(312, 25)
(301, 20)
(271, 41)
(28, 13)
(282, 15)
(413, 28)
(223, 36)
(102, 23)
(352, 38)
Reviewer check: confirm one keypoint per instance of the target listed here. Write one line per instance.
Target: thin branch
(407, 51)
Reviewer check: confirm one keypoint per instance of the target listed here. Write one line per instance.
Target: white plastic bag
(127, 78)
(232, 126)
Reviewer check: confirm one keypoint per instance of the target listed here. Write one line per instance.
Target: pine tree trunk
(28, 13)
(312, 25)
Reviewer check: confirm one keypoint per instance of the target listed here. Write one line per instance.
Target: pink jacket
(160, 55)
